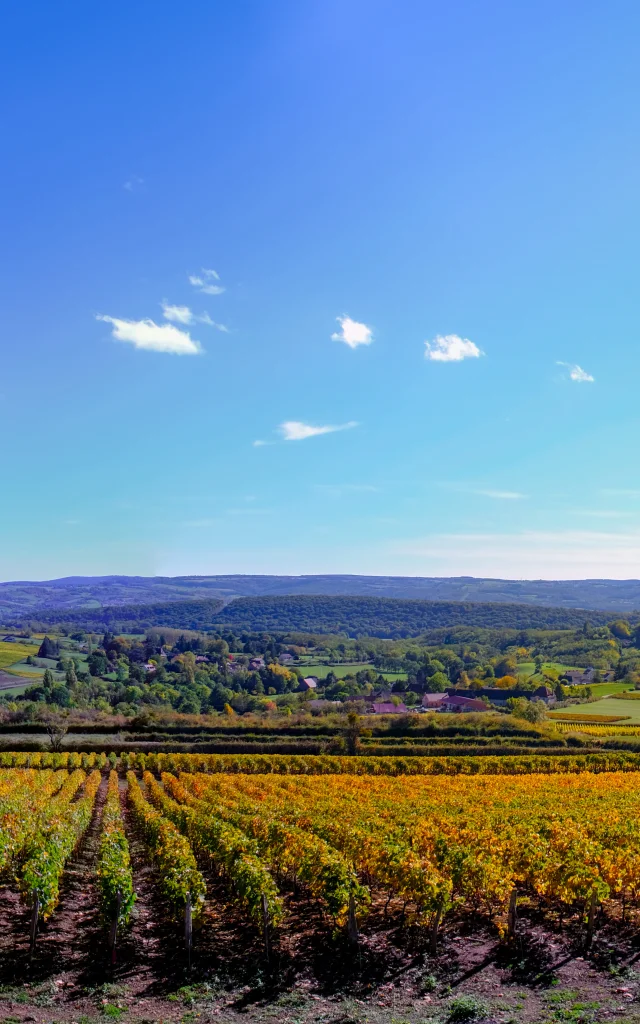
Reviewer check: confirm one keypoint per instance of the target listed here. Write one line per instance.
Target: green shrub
(467, 1008)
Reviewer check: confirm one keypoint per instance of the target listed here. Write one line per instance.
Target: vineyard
(351, 854)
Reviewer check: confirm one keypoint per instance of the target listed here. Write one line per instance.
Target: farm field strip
(380, 766)
(598, 728)
(617, 706)
(11, 653)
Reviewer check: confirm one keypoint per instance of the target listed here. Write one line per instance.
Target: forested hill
(134, 618)
(36, 599)
(389, 617)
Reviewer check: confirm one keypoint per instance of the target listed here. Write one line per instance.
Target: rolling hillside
(21, 600)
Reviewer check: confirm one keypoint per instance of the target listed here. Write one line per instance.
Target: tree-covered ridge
(196, 615)
(391, 617)
(21, 600)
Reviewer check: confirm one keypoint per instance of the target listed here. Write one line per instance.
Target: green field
(322, 671)
(528, 668)
(607, 706)
(12, 653)
(604, 689)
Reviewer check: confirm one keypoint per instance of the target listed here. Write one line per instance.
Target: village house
(255, 664)
(463, 704)
(433, 701)
(286, 658)
(310, 683)
(389, 708)
(586, 676)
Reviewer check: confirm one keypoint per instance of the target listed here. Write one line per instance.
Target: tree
(437, 683)
(47, 679)
(505, 667)
(533, 711)
(620, 629)
(559, 691)
(70, 675)
(57, 729)
(97, 663)
(48, 648)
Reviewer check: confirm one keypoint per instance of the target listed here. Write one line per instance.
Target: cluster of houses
(583, 677)
(456, 702)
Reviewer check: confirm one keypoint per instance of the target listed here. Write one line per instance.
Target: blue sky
(349, 192)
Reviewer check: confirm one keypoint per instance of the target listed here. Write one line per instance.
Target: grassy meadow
(12, 654)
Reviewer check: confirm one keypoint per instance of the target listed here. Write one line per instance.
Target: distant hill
(136, 618)
(24, 600)
(391, 617)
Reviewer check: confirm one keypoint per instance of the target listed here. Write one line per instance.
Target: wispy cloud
(262, 444)
(204, 318)
(133, 183)
(153, 337)
(178, 314)
(337, 490)
(352, 333)
(206, 282)
(485, 492)
(184, 315)
(565, 554)
(501, 495)
(294, 430)
(451, 348)
(577, 373)
(597, 513)
(625, 492)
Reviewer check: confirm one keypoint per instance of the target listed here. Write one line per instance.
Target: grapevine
(114, 863)
(177, 869)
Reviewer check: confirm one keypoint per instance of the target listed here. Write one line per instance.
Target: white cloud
(451, 348)
(577, 373)
(145, 334)
(204, 318)
(183, 315)
(179, 314)
(501, 495)
(207, 282)
(352, 332)
(261, 444)
(294, 430)
(565, 554)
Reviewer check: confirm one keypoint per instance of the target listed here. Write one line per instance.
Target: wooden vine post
(188, 929)
(435, 924)
(512, 917)
(35, 917)
(265, 926)
(352, 922)
(591, 919)
(113, 931)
